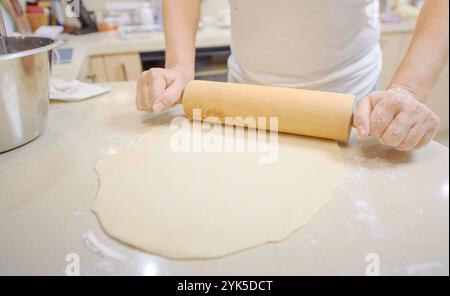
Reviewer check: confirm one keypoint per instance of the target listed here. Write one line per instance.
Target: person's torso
(312, 44)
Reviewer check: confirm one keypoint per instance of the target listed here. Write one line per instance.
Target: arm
(399, 116)
(428, 52)
(159, 89)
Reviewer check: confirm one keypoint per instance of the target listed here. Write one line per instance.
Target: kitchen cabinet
(97, 70)
(126, 67)
(210, 62)
(112, 68)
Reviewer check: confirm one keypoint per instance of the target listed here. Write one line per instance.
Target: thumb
(168, 98)
(362, 118)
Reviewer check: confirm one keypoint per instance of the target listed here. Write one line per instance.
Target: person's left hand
(397, 118)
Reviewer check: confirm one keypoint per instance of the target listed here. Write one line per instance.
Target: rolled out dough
(191, 205)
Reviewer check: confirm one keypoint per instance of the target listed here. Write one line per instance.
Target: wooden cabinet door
(127, 67)
(97, 70)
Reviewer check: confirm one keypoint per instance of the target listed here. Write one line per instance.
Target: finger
(397, 131)
(423, 118)
(413, 138)
(140, 95)
(156, 85)
(427, 138)
(382, 115)
(362, 118)
(431, 133)
(168, 98)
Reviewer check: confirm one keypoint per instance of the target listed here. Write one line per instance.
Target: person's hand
(397, 118)
(159, 89)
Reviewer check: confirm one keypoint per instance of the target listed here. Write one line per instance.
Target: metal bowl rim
(25, 53)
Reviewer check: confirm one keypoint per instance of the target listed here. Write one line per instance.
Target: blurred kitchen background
(114, 40)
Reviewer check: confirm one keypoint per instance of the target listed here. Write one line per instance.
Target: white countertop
(107, 43)
(406, 26)
(391, 203)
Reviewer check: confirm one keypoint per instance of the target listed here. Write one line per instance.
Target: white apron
(330, 45)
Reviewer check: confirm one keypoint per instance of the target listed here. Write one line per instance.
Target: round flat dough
(188, 205)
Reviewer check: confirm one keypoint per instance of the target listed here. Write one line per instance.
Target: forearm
(428, 52)
(181, 20)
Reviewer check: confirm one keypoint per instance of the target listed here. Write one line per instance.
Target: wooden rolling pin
(303, 112)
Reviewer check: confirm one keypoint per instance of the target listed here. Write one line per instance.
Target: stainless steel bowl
(24, 89)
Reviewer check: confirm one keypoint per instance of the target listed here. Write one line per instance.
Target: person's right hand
(159, 89)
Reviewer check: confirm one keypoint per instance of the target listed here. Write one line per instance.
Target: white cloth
(330, 45)
(75, 90)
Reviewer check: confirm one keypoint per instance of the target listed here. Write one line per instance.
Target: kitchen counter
(108, 43)
(392, 205)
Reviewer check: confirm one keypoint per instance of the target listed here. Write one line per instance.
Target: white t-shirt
(330, 45)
